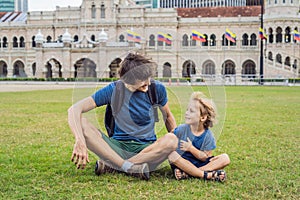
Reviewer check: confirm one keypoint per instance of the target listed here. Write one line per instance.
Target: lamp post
(261, 69)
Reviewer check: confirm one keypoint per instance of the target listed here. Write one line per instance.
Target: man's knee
(88, 129)
(170, 141)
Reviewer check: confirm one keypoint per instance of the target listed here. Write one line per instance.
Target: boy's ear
(203, 118)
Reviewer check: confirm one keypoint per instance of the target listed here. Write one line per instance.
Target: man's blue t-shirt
(204, 142)
(135, 120)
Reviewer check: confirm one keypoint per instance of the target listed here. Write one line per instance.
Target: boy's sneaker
(102, 167)
(140, 171)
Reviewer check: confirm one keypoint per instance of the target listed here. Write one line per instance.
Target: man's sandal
(182, 176)
(216, 175)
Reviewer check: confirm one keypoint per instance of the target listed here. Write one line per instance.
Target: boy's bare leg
(216, 163)
(191, 169)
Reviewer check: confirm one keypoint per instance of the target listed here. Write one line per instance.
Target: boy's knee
(225, 159)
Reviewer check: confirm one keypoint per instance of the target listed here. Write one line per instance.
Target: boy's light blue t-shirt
(135, 120)
(204, 142)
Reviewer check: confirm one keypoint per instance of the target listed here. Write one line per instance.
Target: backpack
(109, 119)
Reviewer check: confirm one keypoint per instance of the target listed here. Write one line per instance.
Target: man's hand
(185, 146)
(80, 155)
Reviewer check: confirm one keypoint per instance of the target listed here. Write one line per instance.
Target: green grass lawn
(261, 134)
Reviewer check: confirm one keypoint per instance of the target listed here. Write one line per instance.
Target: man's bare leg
(96, 144)
(158, 151)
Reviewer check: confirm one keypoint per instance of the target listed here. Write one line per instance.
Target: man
(133, 148)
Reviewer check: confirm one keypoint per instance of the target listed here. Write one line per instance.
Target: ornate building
(91, 40)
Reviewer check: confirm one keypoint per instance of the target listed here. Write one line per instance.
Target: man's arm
(170, 122)
(80, 152)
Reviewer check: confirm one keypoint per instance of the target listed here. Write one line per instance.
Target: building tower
(21, 5)
(282, 49)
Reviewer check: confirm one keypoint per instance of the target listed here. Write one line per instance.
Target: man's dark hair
(136, 67)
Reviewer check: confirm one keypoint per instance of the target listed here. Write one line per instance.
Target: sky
(42, 5)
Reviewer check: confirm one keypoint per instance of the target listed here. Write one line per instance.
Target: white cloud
(39, 5)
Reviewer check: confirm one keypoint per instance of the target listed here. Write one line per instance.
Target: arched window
(287, 36)
(270, 56)
(33, 44)
(49, 39)
(278, 58)
(93, 38)
(22, 42)
(93, 11)
(245, 40)
(278, 35)
(192, 42)
(213, 40)
(185, 42)
(295, 64)
(271, 37)
(75, 38)
(253, 40)
(224, 40)
(206, 42)
(159, 43)
(287, 61)
(15, 42)
(121, 38)
(151, 40)
(102, 10)
(4, 42)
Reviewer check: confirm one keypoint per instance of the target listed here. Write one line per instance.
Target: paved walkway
(17, 86)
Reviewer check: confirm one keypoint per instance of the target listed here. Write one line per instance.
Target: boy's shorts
(125, 148)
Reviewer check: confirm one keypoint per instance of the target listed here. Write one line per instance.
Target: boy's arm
(200, 155)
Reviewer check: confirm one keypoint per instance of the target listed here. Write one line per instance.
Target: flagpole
(261, 69)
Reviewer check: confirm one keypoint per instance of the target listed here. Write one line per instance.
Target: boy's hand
(186, 146)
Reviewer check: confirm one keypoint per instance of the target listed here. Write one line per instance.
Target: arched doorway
(228, 68)
(54, 69)
(167, 72)
(209, 68)
(19, 69)
(3, 69)
(85, 68)
(248, 69)
(33, 69)
(188, 69)
(114, 67)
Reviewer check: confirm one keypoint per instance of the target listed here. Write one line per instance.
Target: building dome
(66, 38)
(102, 36)
(39, 37)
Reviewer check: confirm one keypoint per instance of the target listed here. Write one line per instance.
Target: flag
(168, 39)
(164, 38)
(133, 36)
(161, 37)
(262, 34)
(198, 36)
(296, 35)
(230, 35)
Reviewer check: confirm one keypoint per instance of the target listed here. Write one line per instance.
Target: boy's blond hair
(207, 108)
